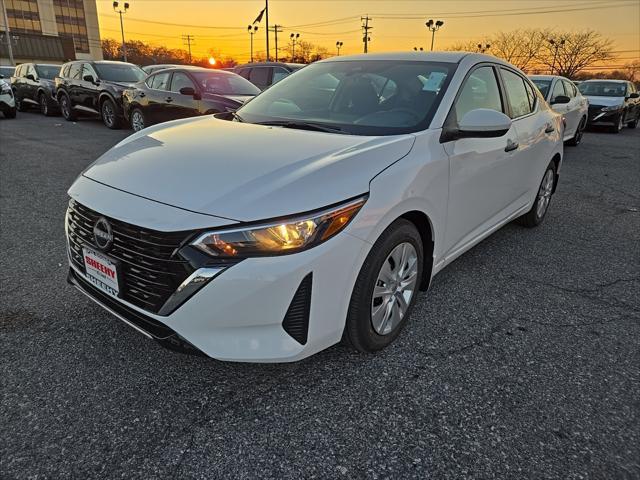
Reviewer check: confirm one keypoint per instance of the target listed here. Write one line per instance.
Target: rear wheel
(45, 109)
(535, 216)
(386, 288)
(109, 115)
(577, 137)
(66, 109)
(138, 120)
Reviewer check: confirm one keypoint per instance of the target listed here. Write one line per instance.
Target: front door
(182, 106)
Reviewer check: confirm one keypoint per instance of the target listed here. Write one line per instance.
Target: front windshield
(362, 97)
(543, 85)
(223, 83)
(113, 72)
(48, 71)
(603, 89)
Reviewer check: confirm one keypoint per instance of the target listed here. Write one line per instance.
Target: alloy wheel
(544, 194)
(108, 115)
(64, 106)
(44, 106)
(394, 288)
(137, 121)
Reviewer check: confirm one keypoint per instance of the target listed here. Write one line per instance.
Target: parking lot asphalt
(523, 361)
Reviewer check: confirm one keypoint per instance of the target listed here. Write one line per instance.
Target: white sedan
(320, 211)
(565, 98)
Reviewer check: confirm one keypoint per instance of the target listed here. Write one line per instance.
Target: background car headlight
(4, 88)
(290, 235)
(612, 108)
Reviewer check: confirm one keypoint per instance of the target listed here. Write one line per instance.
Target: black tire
(45, 105)
(577, 137)
(359, 330)
(533, 217)
(66, 108)
(11, 113)
(20, 105)
(109, 115)
(634, 123)
(137, 116)
(619, 124)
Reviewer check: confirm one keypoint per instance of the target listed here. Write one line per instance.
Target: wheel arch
(557, 160)
(423, 223)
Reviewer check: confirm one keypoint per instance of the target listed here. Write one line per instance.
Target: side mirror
(560, 99)
(634, 95)
(483, 123)
(31, 77)
(89, 78)
(188, 91)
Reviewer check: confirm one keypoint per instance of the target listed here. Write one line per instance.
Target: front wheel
(634, 123)
(109, 116)
(619, 124)
(45, 109)
(386, 288)
(138, 120)
(535, 216)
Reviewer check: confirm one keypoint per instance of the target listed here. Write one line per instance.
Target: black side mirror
(188, 91)
(560, 99)
(31, 77)
(634, 95)
(89, 78)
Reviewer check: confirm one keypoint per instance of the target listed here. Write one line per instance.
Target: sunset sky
(397, 24)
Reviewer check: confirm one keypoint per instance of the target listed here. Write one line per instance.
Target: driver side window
(88, 70)
(480, 90)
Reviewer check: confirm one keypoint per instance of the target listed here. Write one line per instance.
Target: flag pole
(266, 9)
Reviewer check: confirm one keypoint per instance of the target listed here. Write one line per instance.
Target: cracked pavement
(523, 361)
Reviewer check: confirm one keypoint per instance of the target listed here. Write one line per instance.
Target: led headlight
(289, 235)
(612, 108)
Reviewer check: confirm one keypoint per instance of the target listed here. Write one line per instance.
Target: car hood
(243, 171)
(604, 101)
(120, 85)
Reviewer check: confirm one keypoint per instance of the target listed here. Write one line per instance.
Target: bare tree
(518, 47)
(570, 53)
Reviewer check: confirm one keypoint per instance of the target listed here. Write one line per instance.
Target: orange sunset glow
(220, 27)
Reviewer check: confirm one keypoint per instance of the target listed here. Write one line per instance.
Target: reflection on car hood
(122, 85)
(604, 101)
(243, 171)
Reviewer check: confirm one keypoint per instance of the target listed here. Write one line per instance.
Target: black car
(33, 86)
(185, 92)
(265, 74)
(95, 87)
(614, 103)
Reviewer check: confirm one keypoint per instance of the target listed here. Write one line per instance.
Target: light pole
(483, 48)
(294, 37)
(434, 27)
(252, 30)
(556, 45)
(339, 46)
(116, 9)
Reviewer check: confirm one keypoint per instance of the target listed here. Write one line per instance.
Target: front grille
(594, 110)
(151, 269)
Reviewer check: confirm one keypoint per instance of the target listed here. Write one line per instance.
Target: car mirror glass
(483, 122)
(187, 91)
(560, 99)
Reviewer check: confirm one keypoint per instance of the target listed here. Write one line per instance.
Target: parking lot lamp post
(339, 46)
(121, 11)
(434, 27)
(294, 37)
(556, 46)
(252, 31)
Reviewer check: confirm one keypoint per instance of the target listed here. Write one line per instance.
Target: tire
(45, 107)
(634, 123)
(369, 327)
(535, 216)
(11, 113)
(109, 115)
(577, 137)
(20, 105)
(138, 120)
(619, 124)
(66, 109)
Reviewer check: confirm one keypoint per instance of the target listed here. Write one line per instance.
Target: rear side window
(18, 72)
(279, 73)
(558, 90)
(569, 88)
(517, 94)
(65, 70)
(244, 72)
(480, 90)
(75, 72)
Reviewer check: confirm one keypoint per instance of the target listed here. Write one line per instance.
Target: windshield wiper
(318, 127)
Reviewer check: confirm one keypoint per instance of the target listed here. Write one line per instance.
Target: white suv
(319, 212)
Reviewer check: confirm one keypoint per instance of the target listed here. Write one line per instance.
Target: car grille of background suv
(150, 267)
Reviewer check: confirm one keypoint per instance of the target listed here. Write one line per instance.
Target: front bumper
(240, 314)
(604, 118)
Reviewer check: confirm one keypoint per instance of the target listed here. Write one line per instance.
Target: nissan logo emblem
(103, 234)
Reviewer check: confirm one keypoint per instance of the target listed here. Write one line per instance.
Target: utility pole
(7, 33)
(365, 30)
(252, 30)
(188, 39)
(277, 29)
(115, 8)
(266, 11)
(294, 37)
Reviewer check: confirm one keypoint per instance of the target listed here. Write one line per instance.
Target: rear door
(73, 84)
(573, 115)
(30, 85)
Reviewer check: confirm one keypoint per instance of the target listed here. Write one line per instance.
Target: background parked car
(95, 87)
(265, 74)
(6, 71)
(149, 69)
(33, 86)
(565, 98)
(185, 92)
(615, 103)
(7, 102)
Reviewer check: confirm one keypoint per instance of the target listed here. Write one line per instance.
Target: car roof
(446, 57)
(270, 64)
(605, 80)
(546, 77)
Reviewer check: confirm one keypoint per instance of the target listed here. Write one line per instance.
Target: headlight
(612, 108)
(290, 235)
(4, 88)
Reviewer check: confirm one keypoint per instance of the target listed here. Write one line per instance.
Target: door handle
(549, 128)
(168, 99)
(511, 145)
